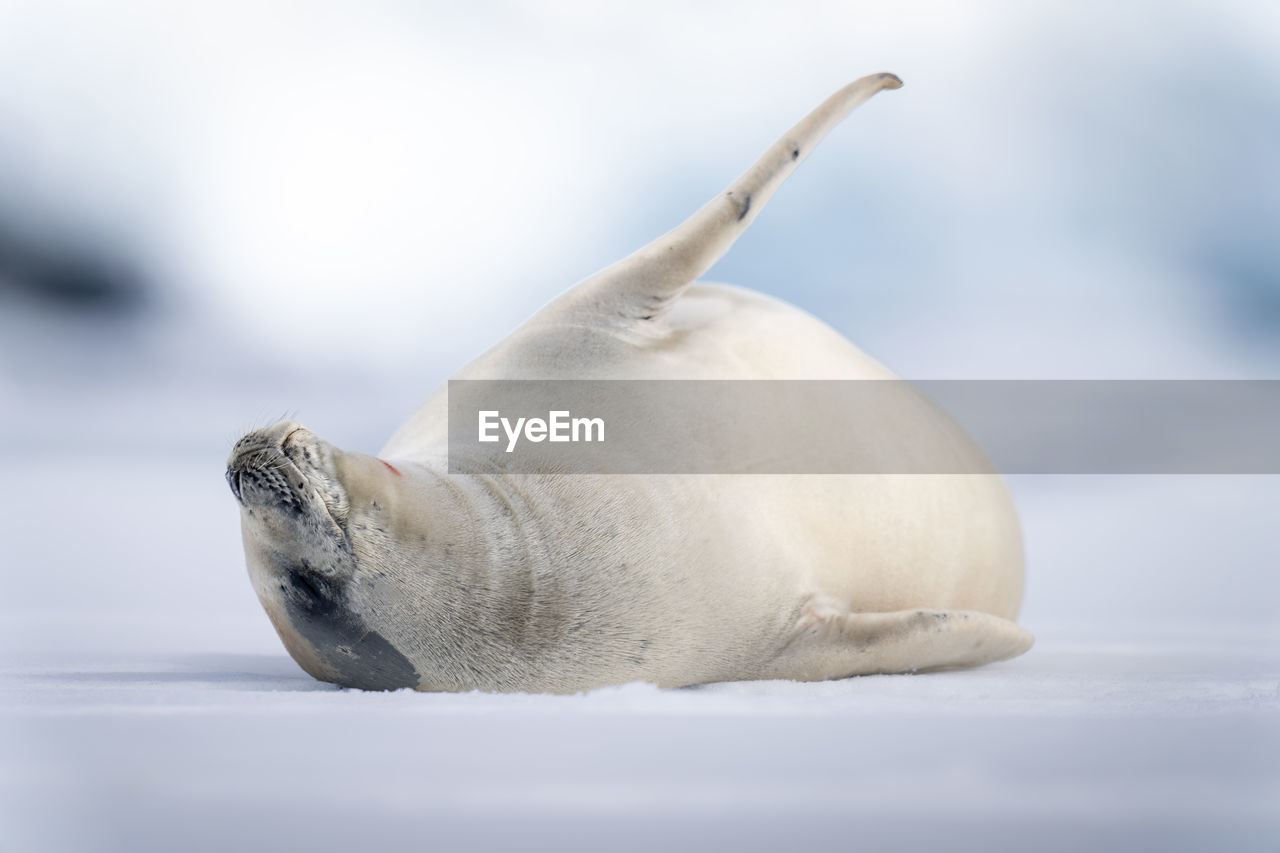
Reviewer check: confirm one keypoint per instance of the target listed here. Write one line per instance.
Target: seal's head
(310, 517)
(293, 500)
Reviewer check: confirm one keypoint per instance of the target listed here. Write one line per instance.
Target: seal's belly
(886, 543)
(875, 543)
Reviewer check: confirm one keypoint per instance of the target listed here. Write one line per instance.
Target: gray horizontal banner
(864, 427)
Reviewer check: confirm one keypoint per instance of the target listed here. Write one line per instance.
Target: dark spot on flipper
(647, 317)
(318, 610)
(795, 153)
(744, 206)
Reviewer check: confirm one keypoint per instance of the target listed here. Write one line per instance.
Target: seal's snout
(258, 470)
(288, 471)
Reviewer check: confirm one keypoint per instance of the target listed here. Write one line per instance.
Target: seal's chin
(285, 479)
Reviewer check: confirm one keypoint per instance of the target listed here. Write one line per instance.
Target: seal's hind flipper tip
(890, 81)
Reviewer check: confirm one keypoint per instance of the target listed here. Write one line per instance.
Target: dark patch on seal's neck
(318, 610)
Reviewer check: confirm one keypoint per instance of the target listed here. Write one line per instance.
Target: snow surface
(1102, 746)
(147, 704)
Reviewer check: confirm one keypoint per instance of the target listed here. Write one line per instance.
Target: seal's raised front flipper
(644, 284)
(829, 644)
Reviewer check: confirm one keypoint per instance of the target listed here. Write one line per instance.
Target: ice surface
(1076, 746)
(147, 704)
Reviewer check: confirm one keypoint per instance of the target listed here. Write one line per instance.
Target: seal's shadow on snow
(221, 671)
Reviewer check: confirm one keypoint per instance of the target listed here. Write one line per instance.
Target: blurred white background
(216, 214)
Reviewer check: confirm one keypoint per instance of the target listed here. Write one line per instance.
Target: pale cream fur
(563, 583)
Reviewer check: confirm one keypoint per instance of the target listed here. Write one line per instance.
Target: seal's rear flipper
(838, 644)
(643, 285)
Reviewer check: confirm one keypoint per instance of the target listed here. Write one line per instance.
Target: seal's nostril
(233, 480)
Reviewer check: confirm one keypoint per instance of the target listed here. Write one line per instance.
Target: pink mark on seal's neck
(391, 467)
